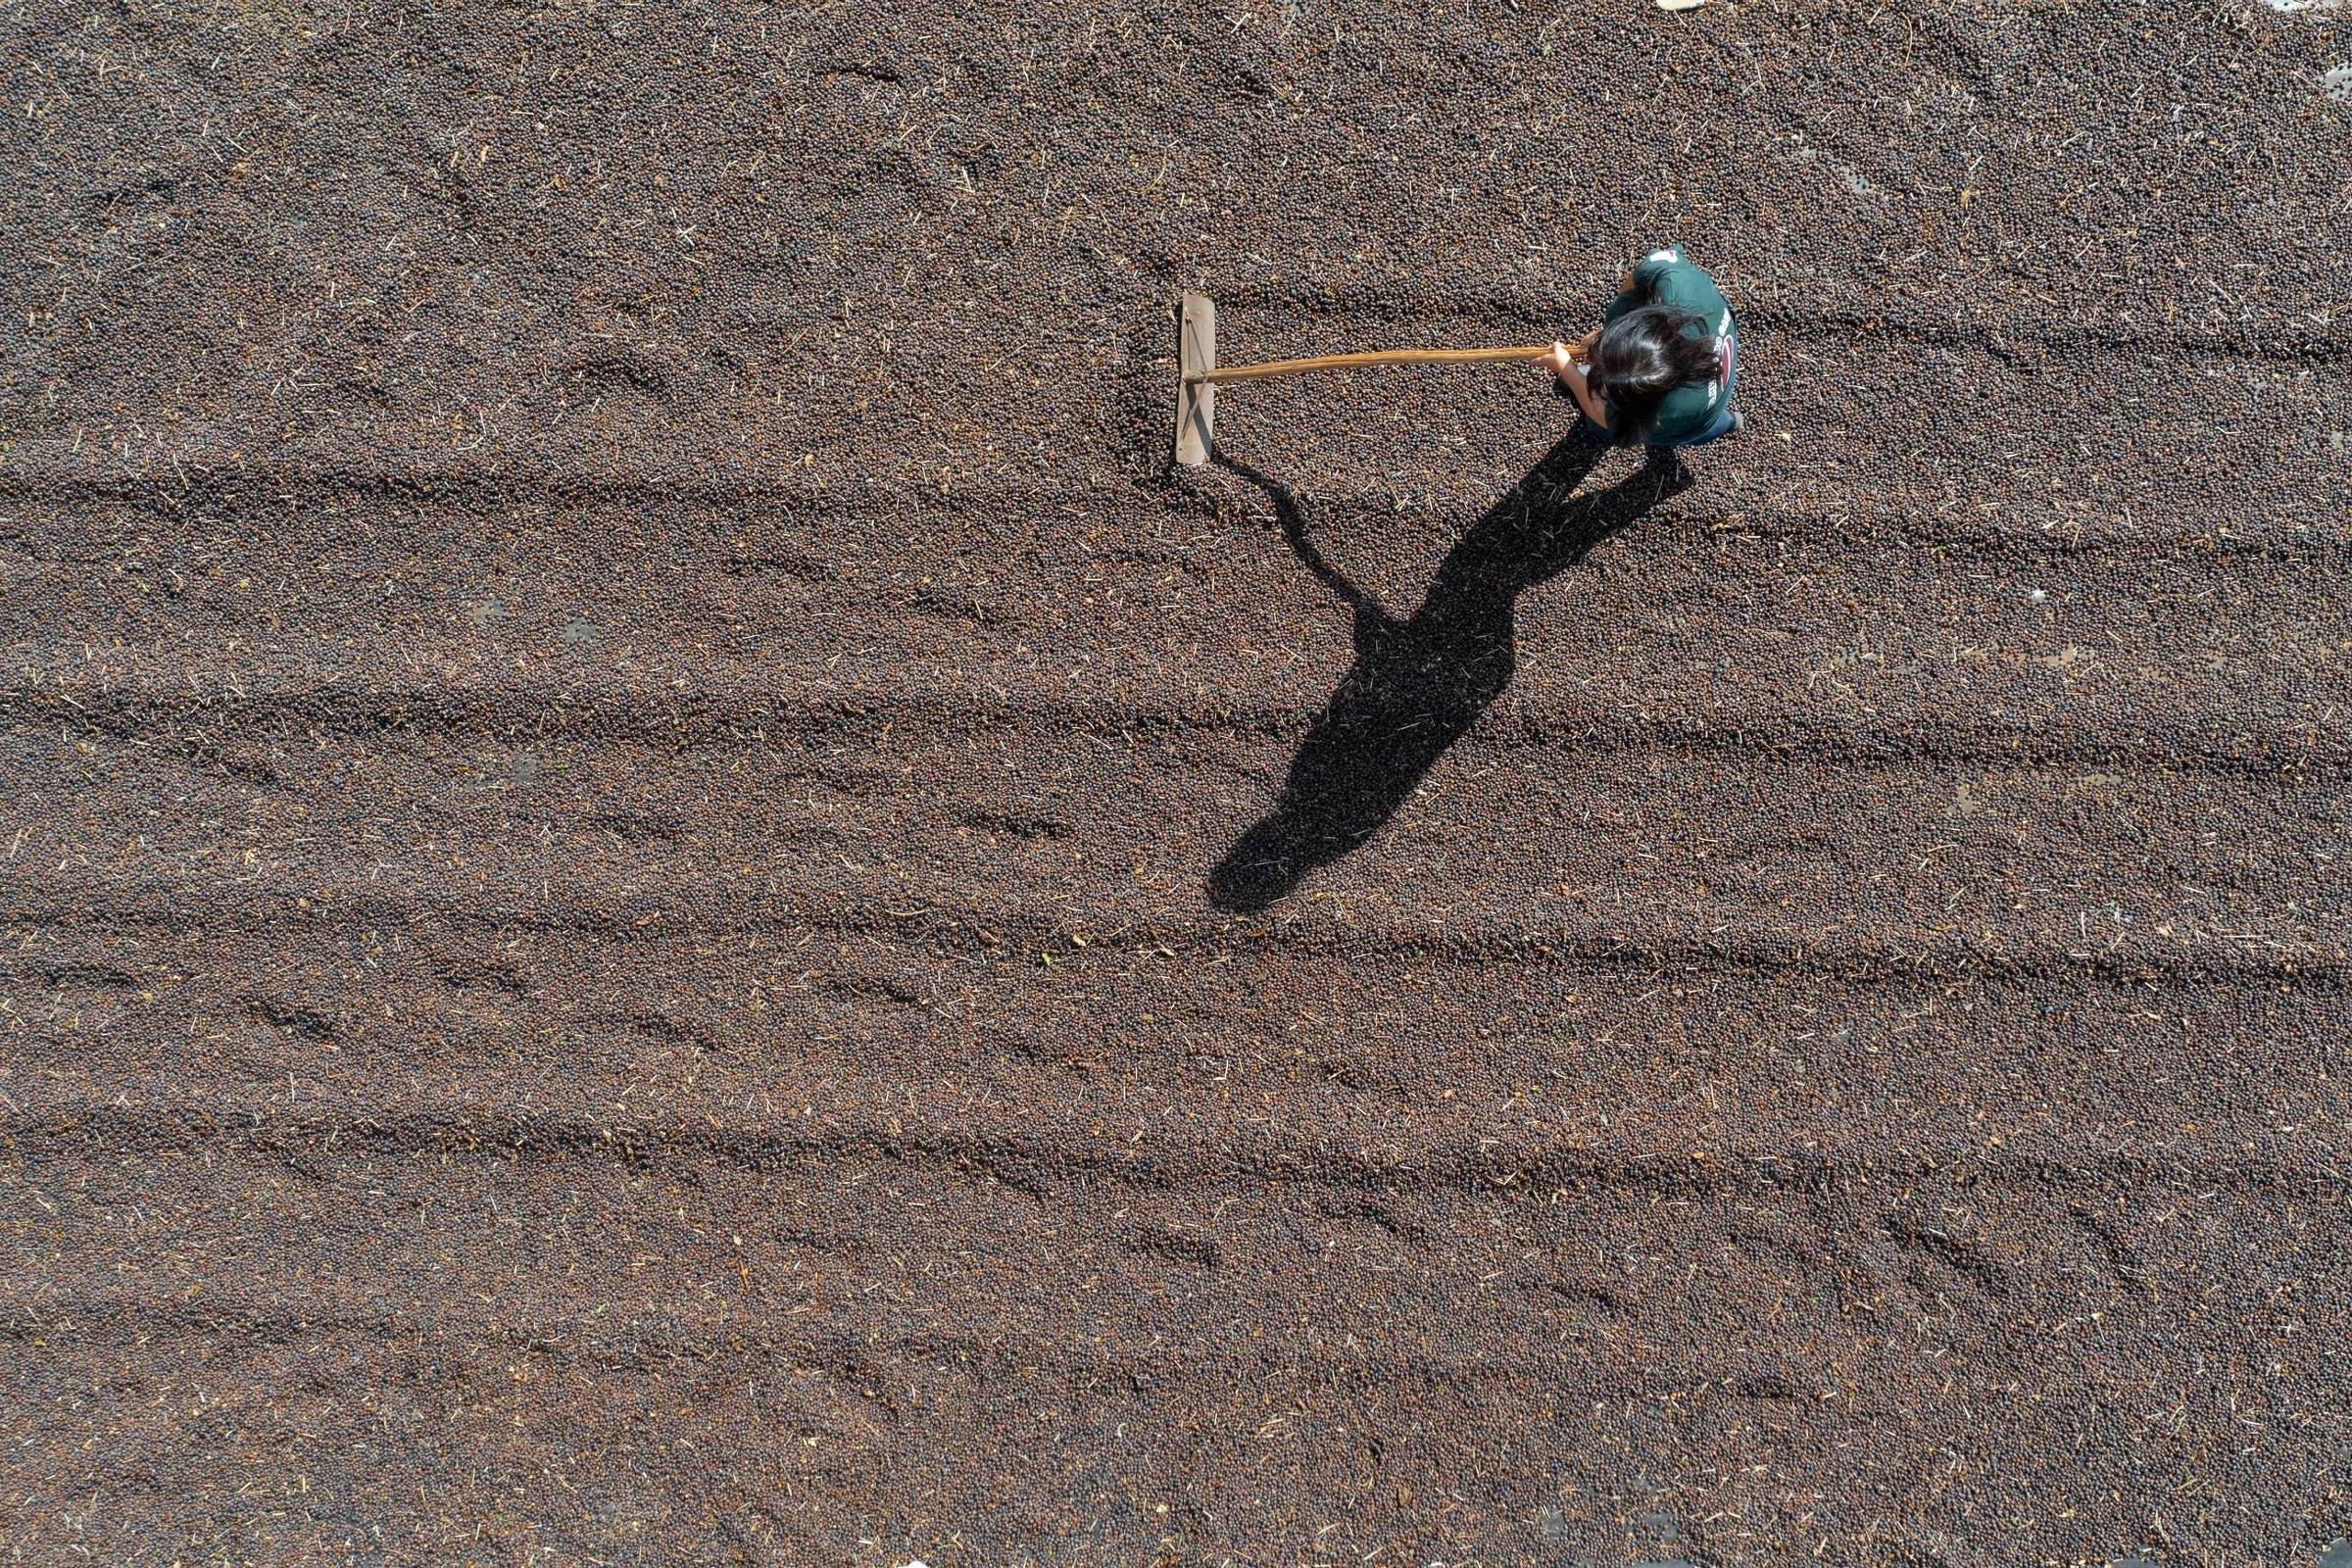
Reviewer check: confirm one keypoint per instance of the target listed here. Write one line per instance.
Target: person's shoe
(1739, 422)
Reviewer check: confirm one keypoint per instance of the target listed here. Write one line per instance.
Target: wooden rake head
(1195, 395)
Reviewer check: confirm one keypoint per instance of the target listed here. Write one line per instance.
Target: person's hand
(1560, 362)
(1584, 345)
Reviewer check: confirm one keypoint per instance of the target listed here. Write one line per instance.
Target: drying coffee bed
(668, 901)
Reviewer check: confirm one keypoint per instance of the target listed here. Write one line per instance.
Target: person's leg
(1723, 424)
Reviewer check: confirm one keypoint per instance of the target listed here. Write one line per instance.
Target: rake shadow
(1416, 684)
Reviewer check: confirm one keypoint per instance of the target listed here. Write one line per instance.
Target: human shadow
(1416, 684)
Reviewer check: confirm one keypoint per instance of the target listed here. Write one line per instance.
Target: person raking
(1661, 369)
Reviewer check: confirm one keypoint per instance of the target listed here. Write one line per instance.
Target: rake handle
(1351, 362)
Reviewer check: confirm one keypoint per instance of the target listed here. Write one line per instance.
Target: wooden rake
(1197, 385)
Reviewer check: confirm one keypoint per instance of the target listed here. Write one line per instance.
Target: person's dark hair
(1641, 356)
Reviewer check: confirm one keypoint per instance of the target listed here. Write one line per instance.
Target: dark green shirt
(1668, 278)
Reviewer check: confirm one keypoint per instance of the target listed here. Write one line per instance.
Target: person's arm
(1565, 368)
(1642, 271)
(1565, 355)
(1574, 381)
